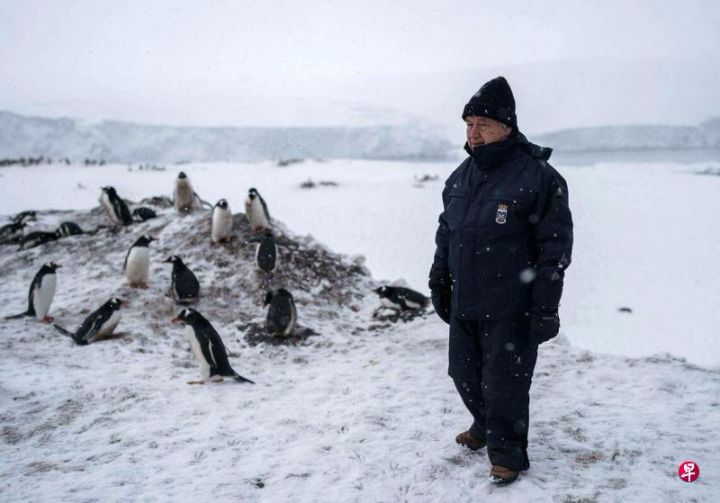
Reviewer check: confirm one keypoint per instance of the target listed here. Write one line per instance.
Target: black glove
(543, 326)
(441, 292)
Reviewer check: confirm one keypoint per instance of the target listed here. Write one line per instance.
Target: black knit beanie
(495, 101)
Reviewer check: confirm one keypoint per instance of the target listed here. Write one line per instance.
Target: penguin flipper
(63, 330)
(203, 202)
(240, 379)
(16, 316)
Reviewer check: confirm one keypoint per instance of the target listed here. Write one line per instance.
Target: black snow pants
(492, 363)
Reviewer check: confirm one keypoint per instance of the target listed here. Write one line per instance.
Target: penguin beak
(58, 266)
(167, 260)
(177, 319)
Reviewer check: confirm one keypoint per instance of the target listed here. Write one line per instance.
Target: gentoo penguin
(25, 216)
(185, 287)
(401, 298)
(221, 221)
(281, 315)
(137, 262)
(256, 211)
(143, 213)
(36, 238)
(12, 233)
(115, 206)
(266, 253)
(208, 348)
(68, 229)
(184, 197)
(98, 325)
(42, 292)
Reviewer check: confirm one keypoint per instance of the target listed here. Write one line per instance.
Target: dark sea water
(636, 156)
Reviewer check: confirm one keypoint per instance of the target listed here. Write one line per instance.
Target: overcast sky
(316, 62)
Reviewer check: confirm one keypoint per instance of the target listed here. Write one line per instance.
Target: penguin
(221, 221)
(68, 229)
(137, 262)
(143, 213)
(184, 197)
(115, 206)
(256, 211)
(266, 253)
(41, 294)
(12, 233)
(185, 287)
(400, 298)
(25, 216)
(281, 315)
(36, 238)
(99, 325)
(208, 348)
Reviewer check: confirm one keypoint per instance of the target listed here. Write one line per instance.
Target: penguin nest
(327, 287)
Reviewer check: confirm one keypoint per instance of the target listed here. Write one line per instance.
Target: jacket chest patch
(501, 215)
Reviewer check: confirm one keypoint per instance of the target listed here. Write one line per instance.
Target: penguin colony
(204, 340)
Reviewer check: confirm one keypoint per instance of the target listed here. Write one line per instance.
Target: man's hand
(441, 292)
(543, 326)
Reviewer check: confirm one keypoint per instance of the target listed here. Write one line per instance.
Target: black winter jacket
(505, 235)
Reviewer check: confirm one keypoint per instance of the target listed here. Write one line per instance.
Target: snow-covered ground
(362, 411)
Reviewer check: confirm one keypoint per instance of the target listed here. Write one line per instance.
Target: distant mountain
(641, 137)
(112, 141)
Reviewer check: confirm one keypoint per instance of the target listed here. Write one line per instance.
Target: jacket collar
(489, 156)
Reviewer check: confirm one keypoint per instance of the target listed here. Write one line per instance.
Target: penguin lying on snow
(36, 238)
(137, 262)
(208, 348)
(99, 325)
(221, 222)
(116, 208)
(12, 233)
(256, 211)
(282, 315)
(400, 298)
(185, 287)
(68, 229)
(143, 213)
(42, 292)
(25, 216)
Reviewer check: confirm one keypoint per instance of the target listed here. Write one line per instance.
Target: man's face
(481, 131)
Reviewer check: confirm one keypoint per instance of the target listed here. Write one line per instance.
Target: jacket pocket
(456, 208)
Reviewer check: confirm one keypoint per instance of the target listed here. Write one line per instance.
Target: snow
(364, 410)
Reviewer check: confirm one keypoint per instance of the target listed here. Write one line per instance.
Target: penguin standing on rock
(137, 262)
(116, 208)
(185, 287)
(42, 292)
(221, 222)
(282, 315)
(184, 197)
(99, 325)
(257, 211)
(208, 348)
(266, 253)
(401, 298)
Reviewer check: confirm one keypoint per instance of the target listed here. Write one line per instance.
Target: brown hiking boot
(502, 476)
(470, 441)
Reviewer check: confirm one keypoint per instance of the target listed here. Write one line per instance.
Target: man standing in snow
(503, 244)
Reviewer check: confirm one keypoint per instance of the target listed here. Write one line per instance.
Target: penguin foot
(196, 382)
(48, 319)
(216, 379)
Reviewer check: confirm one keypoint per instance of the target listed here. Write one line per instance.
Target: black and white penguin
(266, 253)
(282, 315)
(256, 211)
(11, 233)
(137, 262)
(99, 325)
(143, 213)
(115, 206)
(208, 348)
(41, 294)
(25, 216)
(184, 197)
(185, 287)
(36, 238)
(221, 222)
(401, 298)
(68, 229)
